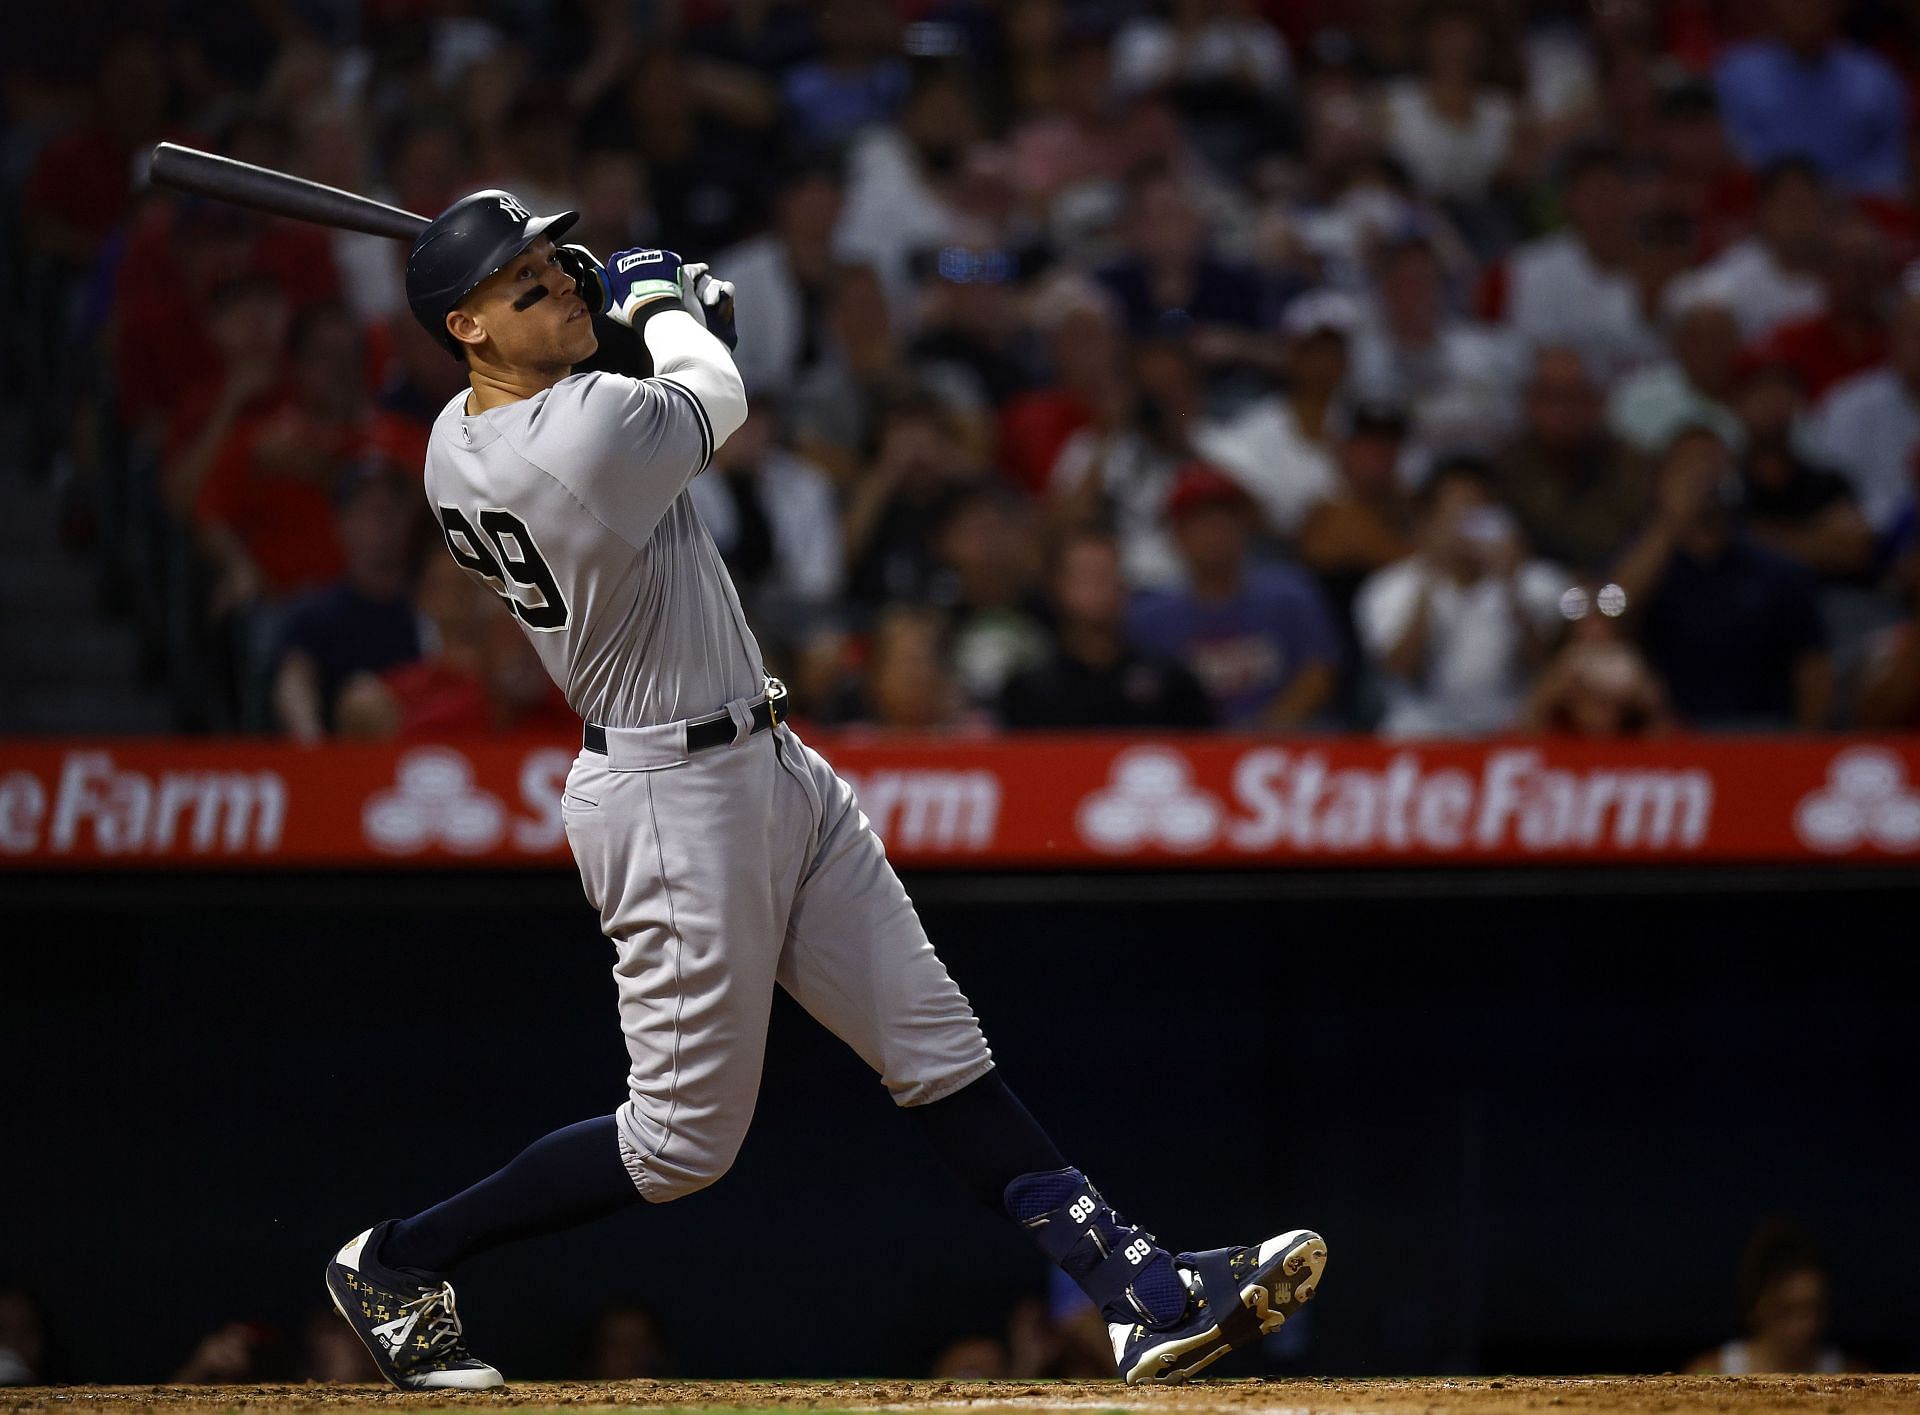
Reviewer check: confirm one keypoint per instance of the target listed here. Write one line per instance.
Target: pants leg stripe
(680, 993)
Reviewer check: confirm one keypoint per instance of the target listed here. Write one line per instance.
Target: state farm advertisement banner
(1032, 802)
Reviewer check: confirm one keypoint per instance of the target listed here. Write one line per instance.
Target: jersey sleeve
(626, 447)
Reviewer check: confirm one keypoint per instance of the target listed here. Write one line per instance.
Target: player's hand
(714, 298)
(589, 276)
(639, 277)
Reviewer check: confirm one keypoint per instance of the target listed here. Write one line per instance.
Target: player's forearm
(685, 352)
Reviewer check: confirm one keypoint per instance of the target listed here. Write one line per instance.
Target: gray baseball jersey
(569, 505)
(720, 873)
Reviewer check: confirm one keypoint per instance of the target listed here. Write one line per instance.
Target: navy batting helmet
(463, 245)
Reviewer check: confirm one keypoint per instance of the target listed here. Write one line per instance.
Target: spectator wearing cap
(1280, 449)
(1578, 491)
(1456, 630)
(365, 622)
(1695, 386)
(1734, 629)
(1772, 277)
(1802, 91)
(1575, 288)
(1868, 427)
(1849, 334)
(782, 279)
(1455, 376)
(1257, 636)
(1794, 506)
(1094, 675)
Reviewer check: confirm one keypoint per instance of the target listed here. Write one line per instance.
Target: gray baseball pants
(718, 875)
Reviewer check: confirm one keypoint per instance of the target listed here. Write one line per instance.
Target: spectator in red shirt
(247, 324)
(177, 255)
(1850, 335)
(265, 511)
(479, 674)
(81, 186)
(1088, 360)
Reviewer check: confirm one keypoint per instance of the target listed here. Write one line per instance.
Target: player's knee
(687, 1158)
(922, 1085)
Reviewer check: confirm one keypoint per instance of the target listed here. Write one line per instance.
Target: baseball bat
(206, 174)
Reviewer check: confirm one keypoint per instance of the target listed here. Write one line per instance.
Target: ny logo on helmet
(513, 208)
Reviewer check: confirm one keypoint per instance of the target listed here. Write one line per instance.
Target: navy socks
(1005, 1160)
(986, 1137)
(561, 1180)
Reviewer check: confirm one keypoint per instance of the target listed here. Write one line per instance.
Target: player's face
(530, 313)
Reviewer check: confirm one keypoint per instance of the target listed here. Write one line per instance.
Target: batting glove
(639, 277)
(715, 299)
(589, 276)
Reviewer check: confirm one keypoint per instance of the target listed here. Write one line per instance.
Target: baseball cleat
(1235, 1297)
(410, 1329)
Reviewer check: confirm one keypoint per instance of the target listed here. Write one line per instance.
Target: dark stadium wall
(1535, 1127)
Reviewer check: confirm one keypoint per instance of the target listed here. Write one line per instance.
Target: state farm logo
(925, 810)
(1866, 800)
(1513, 802)
(1150, 799)
(434, 802)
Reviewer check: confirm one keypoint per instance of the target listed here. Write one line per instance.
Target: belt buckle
(776, 702)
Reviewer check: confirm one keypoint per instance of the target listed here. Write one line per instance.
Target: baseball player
(723, 853)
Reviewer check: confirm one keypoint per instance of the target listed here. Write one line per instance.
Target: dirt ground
(1614, 1395)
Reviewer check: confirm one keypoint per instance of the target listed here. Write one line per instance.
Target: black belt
(712, 731)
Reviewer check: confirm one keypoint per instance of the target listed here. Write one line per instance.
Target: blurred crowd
(1408, 366)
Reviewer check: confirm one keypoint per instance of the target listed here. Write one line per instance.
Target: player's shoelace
(439, 1325)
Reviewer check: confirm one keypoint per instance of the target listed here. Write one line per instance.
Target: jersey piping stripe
(706, 426)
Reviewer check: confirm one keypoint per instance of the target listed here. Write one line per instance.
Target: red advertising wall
(1028, 802)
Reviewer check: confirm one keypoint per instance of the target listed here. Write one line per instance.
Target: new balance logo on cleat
(412, 1331)
(394, 1335)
